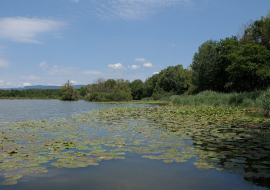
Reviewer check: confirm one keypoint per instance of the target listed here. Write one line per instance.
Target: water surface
(24, 110)
(137, 139)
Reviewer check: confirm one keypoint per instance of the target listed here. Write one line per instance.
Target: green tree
(210, 63)
(82, 91)
(68, 92)
(250, 69)
(107, 90)
(175, 79)
(172, 80)
(150, 85)
(109, 85)
(226, 48)
(204, 66)
(136, 89)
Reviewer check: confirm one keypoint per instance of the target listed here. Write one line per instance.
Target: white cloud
(32, 77)
(25, 30)
(134, 66)
(148, 64)
(1, 81)
(134, 9)
(116, 66)
(92, 72)
(140, 60)
(43, 65)
(4, 64)
(27, 84)
(76, 1)
(155, 73)
(73, 82)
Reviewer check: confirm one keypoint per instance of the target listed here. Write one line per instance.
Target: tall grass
(254, 99)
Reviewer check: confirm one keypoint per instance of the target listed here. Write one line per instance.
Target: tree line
(31, 93)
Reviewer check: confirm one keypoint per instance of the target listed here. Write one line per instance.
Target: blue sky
(47, 42)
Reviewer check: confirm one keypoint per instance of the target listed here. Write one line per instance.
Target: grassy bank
(255, 99)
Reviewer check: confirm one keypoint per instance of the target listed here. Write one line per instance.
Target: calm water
(134, 172)
(24, 110)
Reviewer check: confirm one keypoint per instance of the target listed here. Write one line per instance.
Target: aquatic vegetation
(226, 139)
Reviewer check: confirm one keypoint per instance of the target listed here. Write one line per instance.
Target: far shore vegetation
(234, 71)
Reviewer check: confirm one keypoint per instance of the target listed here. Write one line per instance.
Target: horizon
(49, 42)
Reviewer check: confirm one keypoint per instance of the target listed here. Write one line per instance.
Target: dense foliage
(68, 92)
(136, 88)
(109, 90)
(233, 64)
(250, 68)
(172, 80)
(210, 63)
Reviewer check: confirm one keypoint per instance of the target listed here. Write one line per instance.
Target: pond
(49, 144)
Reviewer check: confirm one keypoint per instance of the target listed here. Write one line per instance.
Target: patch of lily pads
(226, 139)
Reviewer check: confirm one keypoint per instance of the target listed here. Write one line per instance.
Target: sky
(47, 42)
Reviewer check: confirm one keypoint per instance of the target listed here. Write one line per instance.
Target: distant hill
(40, 87)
